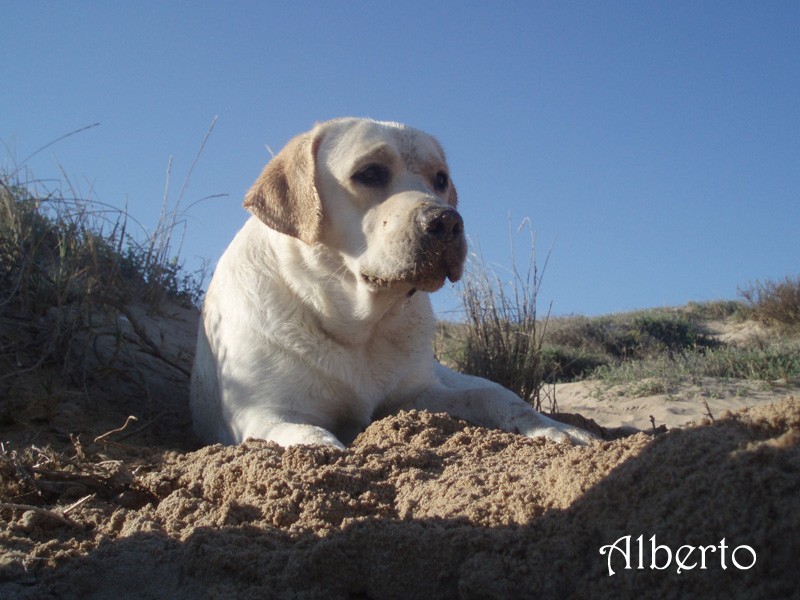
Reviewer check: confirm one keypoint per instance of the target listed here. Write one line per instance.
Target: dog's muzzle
(431, 249)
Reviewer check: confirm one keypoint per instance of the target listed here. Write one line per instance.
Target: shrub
(629, 336)
(671, 333)
(774, 302)
(564, 364)
(503, 339)
(716, 309)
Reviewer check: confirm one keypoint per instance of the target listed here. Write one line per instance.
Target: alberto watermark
(631, 555)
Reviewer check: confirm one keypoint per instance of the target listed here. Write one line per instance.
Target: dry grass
(74, 276)
(64, 261)
(504, 334)
(775, 303)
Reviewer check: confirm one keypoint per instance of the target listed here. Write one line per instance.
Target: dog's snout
(441, 222)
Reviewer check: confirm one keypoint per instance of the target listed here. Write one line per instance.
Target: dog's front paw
(538, 425)
(563, 433)
(295, 434)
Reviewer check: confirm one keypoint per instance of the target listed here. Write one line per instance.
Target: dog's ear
(285, 194)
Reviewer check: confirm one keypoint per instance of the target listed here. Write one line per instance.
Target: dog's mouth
(423, 279)
(375, 281)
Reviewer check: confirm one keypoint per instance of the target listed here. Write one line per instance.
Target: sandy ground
(639, 406)
(688, 403)
(419, 506)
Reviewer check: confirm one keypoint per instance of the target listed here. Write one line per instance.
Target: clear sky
(655, 146)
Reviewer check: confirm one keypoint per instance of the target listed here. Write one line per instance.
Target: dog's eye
(441, 181)
(373, 176)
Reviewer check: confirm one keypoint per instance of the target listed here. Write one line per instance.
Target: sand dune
(420, 505)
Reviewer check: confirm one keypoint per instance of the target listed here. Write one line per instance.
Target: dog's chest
(394, 357)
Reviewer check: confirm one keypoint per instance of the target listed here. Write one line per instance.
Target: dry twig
(708, 410)
(78, 504)
(128, 421)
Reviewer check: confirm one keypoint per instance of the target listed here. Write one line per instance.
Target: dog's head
(378, 193)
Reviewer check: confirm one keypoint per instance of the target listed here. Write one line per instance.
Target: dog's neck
(373, 314)
(347, 310)
(352, 314)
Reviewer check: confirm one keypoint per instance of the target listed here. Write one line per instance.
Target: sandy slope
(420, 506)
(423, 506)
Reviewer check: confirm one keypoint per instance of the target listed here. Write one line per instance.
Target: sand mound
(424, 506)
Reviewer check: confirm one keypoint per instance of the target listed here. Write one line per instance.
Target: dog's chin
(408, 283)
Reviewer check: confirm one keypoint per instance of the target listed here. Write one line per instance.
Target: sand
(419, 506)
(689, 402)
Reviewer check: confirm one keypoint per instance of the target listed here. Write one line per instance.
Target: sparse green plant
(56, 251)
(778, 362)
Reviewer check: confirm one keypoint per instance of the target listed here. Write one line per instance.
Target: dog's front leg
(487, 404)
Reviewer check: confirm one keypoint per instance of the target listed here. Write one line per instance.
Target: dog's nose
(440, 222)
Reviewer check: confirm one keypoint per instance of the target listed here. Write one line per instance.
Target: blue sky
(655, 146)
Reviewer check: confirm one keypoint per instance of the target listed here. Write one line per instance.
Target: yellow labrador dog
(318, 321)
